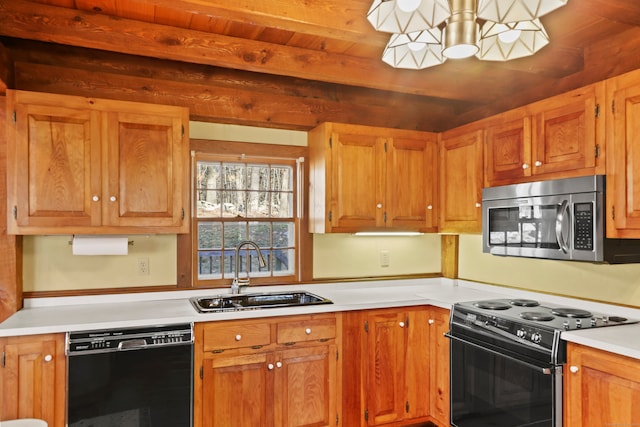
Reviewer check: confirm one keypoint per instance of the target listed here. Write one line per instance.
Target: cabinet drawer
(306, 330)
(233, 335)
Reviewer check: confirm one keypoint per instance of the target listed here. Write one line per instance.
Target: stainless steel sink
(256, 301)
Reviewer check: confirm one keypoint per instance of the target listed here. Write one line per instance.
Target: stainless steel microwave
(560, 219)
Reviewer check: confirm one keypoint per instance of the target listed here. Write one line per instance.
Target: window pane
(210, 265)
(260, 232)
(234, 176)
(208, 204)
(283, 262)
(231, 203)
(258, 204)
(283, 234)
(209, 235)
(282, 205)
(281, 177)
(258, 177)
(209, 175)
(234, 233)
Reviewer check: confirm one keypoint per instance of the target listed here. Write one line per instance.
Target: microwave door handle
(564, 209)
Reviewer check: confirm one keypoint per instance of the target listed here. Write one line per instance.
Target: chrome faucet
(237, 282)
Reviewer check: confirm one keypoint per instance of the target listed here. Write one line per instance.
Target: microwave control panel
(583, 214)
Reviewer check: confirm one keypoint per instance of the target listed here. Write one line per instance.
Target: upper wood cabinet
(623, 156)
(559, 137)
(365, 178)
(33, 378)
(83, 165)
(461, 176)
(600, 388)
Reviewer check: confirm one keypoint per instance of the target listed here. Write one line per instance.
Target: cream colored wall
(49, 265)
(347, 255)
(618, 284)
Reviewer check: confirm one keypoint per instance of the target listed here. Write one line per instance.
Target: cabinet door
(53, 170)
(357, 181)
(305, 387)
(412, 184)
(508, 151)
(601, 389)
(565, 133)
(623, 171)
(461, 181)
(439, 369)
(237, 391)
(417, 391)
(146, 164)
(385, 368)
(33, 378)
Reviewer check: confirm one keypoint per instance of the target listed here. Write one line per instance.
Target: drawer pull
(238, 337)
(307, 331)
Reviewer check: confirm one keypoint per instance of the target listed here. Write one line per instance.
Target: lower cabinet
(267, 372)
(33, 378)
(600, 388)
(403, 378)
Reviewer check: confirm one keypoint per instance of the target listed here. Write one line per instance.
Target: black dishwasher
(133, 377)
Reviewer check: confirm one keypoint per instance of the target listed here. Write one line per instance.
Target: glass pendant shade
(461, 33)
(516, 10)
(532, 37)
(406, 16)
(415, 51)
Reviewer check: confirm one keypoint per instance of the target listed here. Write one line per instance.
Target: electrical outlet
(143, 265)
(385, 258)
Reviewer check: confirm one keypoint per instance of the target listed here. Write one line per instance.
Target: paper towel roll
(100, 245)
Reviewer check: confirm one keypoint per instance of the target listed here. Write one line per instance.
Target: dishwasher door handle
(132, 344)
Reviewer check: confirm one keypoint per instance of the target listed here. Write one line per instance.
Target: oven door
(494, 387)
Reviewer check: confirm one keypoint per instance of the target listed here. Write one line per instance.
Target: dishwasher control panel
(108, 340)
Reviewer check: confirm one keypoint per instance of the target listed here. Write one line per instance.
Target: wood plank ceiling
(294, 63)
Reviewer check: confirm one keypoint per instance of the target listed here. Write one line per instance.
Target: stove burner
(524, 302)
(536, 315)
(492, 305)
(571, 312)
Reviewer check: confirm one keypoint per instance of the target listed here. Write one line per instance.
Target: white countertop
(69, 314)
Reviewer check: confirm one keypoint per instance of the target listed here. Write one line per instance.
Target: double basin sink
(256, 301)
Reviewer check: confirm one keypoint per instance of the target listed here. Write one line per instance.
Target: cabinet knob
(113, 198)
(96, 198)
(478, 205)
(431, 321)
(538, 163)
(307, 331)
(48, 358)
(574, 369)
(430, 207)
(379, 206)
(401, 324)
(525, 166)
(270, 366)
(238, 337)
(278, 364)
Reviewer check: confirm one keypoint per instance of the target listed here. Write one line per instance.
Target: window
(238, 198)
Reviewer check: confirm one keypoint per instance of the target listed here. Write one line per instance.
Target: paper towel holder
(129, 242)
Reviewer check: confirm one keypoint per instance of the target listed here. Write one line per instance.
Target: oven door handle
(545, 370)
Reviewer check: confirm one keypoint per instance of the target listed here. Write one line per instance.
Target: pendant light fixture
(428, 32)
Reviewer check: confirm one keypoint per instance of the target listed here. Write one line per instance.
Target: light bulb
(460, 51)
(509, 36)
(408, 5)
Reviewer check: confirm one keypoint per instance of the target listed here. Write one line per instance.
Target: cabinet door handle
(525, 166)
(48, 358)
(431, 321)
(478, 205)
(270, 366)
(307, 331)
(96, 198)
(401, 324)
(574, 369)
(430, 207)
(538, 163)
(379, 206)
(113, 198)
(238, 337)
(278, 364)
